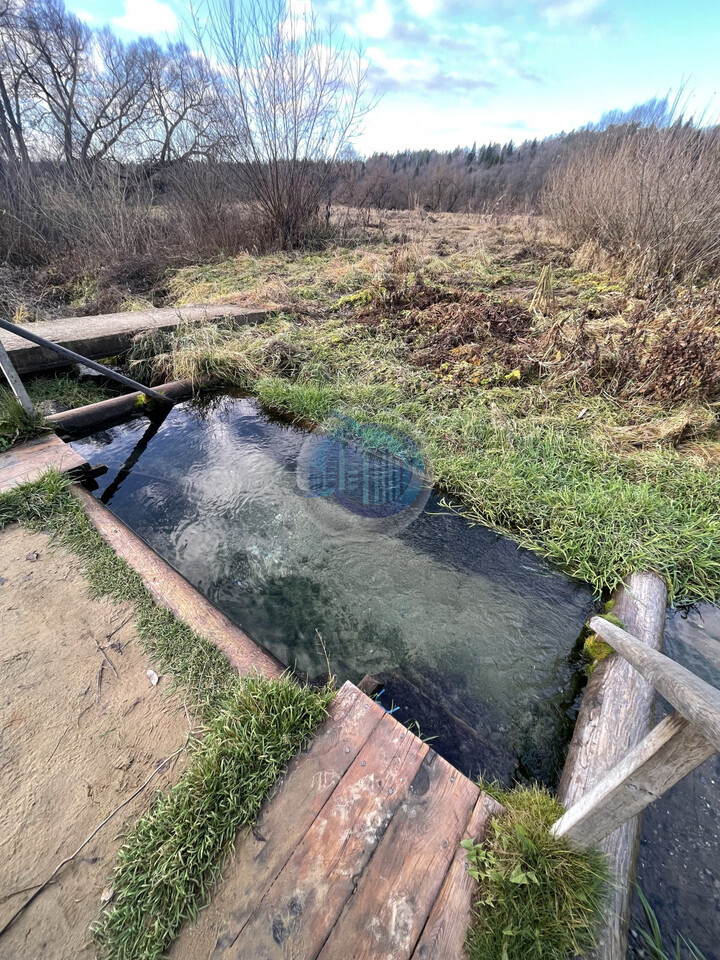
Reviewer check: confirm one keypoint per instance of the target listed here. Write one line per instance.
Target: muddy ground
(74, 745)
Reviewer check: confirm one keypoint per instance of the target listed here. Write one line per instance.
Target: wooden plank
(697, 700)
(29, 461)
(615, 714)
(300, 909)
(298, 798)
(172, 591)
(669, 752)
(385, 915)
(444, 933)
(110, 334)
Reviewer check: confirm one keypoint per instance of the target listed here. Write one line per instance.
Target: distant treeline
(486, 178)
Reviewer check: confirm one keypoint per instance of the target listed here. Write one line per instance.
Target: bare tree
(293, 95)
(14, 101)
(183, 118)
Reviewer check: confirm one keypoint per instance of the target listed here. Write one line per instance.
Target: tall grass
(649, 196)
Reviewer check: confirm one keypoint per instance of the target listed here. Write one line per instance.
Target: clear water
(486, 629)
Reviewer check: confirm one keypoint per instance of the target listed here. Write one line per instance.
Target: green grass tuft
(652, 938)
(67, 390)
(538, 898)
(16, 423)
(168, 865)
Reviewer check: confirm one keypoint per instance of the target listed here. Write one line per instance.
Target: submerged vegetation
(588, 432)
(249, 728)
(538, 898)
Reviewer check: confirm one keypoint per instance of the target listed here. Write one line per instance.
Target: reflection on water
(482, 626)
(679, 863)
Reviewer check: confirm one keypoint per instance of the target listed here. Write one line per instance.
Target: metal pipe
(78, 358)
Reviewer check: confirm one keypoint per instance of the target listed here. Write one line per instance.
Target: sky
(452, 72)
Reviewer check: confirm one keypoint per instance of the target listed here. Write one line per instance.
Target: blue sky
(453, 72)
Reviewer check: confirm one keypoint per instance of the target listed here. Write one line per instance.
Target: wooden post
(674, 748)
(16, 384)
(615, 714)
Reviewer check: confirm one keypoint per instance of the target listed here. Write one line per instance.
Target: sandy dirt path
(71, 748)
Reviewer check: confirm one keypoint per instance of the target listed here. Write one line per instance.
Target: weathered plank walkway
(356, 855)
(109, 334)
(28, 461)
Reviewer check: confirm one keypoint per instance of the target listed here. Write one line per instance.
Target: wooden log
(111, 334)
(445, 931)
(172, 591)
(94, 414)
(697, 700)
(674, 748)
(615, 715)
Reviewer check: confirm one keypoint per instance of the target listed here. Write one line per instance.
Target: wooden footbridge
(357, 853)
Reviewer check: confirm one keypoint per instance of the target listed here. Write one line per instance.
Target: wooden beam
(80, 420)
(444, 933)
(29, 461)
(615, 714)
(16, 384)
(669, 752)
(695, 699)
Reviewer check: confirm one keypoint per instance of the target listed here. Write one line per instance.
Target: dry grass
(648, 196)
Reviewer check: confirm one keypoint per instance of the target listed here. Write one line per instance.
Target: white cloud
(377, 22)
(423, 8)
(401, 69)
(572, 10)
(85, 16)
(147, 17)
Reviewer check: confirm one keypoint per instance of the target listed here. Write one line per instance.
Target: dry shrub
(204, 217)
(439, 325)
(106, 230)
(649, 196)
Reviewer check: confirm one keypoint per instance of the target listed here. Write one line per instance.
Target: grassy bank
(61, 390)
(558, 405)
(246, 730)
